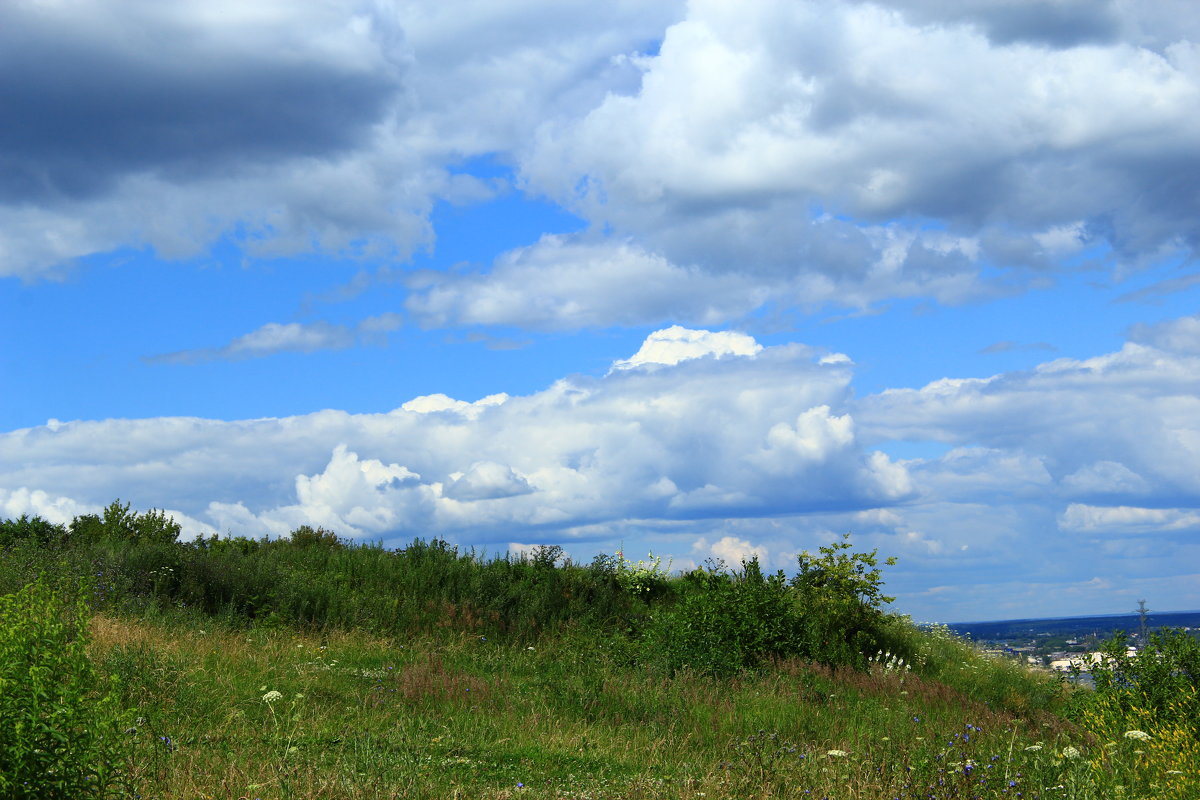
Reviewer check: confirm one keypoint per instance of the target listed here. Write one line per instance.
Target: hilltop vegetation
(310, 667)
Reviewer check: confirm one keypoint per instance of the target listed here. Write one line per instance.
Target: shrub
(306, 536)
(32, 529)
(841, 593)
(722, 622)
(1163, 678)
(118, 523)
(61, 727)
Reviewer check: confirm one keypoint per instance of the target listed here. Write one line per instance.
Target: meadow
(134, 665)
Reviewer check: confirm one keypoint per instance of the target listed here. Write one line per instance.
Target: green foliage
(710, 621)
(641, 578)
(1163, 677)
(31, 529)
(830, 612)
(306, 536)
(723, 623)
(61, 727)
(120, 524)
(841, 592)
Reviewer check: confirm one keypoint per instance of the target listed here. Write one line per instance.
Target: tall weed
(61, 726)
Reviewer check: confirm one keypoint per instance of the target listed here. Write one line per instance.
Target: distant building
(1085, 661)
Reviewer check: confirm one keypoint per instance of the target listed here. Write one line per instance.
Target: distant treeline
(714, 619)
(1102, 626)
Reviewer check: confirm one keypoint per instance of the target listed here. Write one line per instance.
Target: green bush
(841, 593)
(723, 623)
(118, 523)
(31, 529)
(830, 612)
(1163, 677)
(306, 536)
(61, 726)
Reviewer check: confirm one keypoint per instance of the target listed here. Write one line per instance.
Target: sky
(707, 280)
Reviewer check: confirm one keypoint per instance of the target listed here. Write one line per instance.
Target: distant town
(1062, 643)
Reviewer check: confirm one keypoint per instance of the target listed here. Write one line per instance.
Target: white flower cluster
(890, 662)
(1140, 736)
(272, 696)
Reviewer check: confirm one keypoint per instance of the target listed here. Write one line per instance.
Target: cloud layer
(800, 154)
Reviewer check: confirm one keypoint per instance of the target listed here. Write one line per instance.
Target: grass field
(465, 698)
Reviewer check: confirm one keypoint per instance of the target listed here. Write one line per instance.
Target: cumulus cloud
(787, 139)
(1137, 407)
(763, 433)
(677, 343)
(786, 154)
(37, 503)
(730, 549)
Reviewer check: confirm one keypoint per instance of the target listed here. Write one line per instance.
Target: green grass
(364, 716)
(374, 717)
(312, 669)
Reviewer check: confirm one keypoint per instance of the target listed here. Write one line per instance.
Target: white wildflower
(1070, 752)
(836, 753)
(1033, 748)
(272, 696)
(1141, 736)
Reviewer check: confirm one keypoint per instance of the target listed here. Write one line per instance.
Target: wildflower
(1070, 752)
(272, 696)
(1141, 736)
(1033, 748)
(836, 753)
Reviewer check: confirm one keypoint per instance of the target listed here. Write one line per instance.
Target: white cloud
(1176, 335)
(675, 344)
(750, 117)
(1138, 407)
(1106, 477)
(564, 282)
(785, 154)
(433, 403)
(271, 338)
(1128, 519)
(326, 127)
(696, 439)
(731, 550)
(290, 337)
(486, 480)
(37, 503)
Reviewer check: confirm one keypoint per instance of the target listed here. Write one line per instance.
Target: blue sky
(705, 279)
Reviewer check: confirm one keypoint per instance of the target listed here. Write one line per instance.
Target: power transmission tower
(1142, 613)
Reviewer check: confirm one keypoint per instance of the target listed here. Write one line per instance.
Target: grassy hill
(134, 665)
